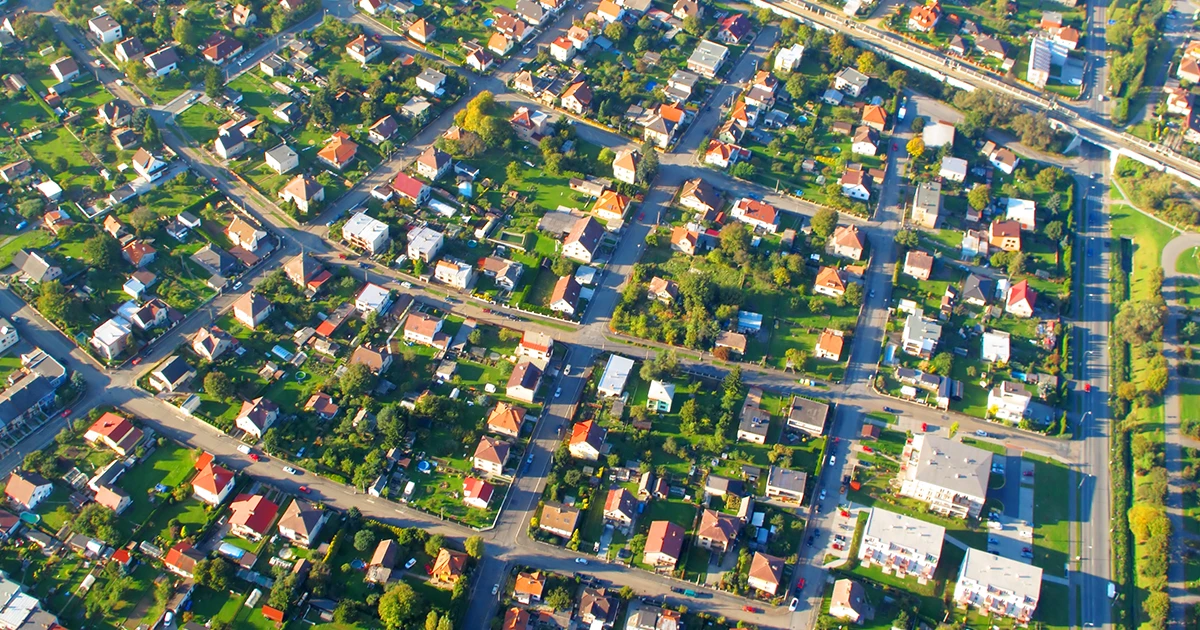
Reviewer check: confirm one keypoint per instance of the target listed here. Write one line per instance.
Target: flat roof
(1018, 578)
(905, 531)
(951, 465)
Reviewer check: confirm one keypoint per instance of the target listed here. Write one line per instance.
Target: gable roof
(718, 526)
(213, 478)
(666, 538)
(506, 417)
(252, 511)
(492, 450)
(301, 517)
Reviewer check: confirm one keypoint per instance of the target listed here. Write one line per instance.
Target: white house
(105, 28)
(996, 346)
(424, 244)
(455, 273)
(112, 337)
(372, 299)
(949, 476)
(1008, 401)
(366, 233)
(901, 545)
(1023, 211)
(256, 416)
(998, 585)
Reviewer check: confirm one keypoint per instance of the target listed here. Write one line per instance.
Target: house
(685, 240)
(243, 15)
(927, 204)
(865, 140)
(321, 404)
(724, 154)
(577, 98)
(433, 163)
(1021, 300)
(680, 85)
(64, 69)
(620, 507)
(301, 523)
(524, 381)
(830, 281)
(1003, 159)
(1179, 101)
(717, 532)
(920, 337)
(565, 296)
(615, 376)
(500, 44)
(242, 234)
(583, 241)
(511, 27)
(855, 184)
(625, 166)
(366, 233)
(282, 159)
(766, 573)
(1005, 234)
(661, 396)
(875, 117)
(138, 253)
(807, 416)
(425, 329)
(339, 151)
(373, 7)
(411, 188)
(901, 545)
(788, 59)
(383, 129)
(505, 273)
(431, 81)
(699, 195)
(449, 566)
(953, 169)
(851, 82)
(211, 342)
(706, 59)
(379, 570)
(849, 601)
(558, 519)
(212, 483)
(998, 586)
(611, 206)
(256, 416)
(924, 18)
(373, 299)
(536, 345)
(529, 587)
(786, 485)
(949, 476)
(756, 214)
(220, 46)
(480, 60)
(997, 346)
(364, 49)
(918, 264)
(376, 360)
(1023, 211)
(171, 374)
(596, 609)
(990, 46)
(454, 273)
(27, 489)
(288, 113)
(609, 11)
(181, 559)
(846, 242)
(57, 220)
(938, 134)
(147, 165)
(115, 113)
(303, 191)
(561, 49)
(506, 419)
(112, 337)
(163, 61)
(515, 619)
(35, 266)
(977, 290)
(832, 97)
(251, 515)
(422, 31)
(830, 345)
(15, 170)
(587, 440)
(530, 124)
(129, 49)
(664, 542)
(252, 309)
(733, 29)
(490, 455)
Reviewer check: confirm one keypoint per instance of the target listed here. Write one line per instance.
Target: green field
(1189, 262)
(1149, 238)
(200, 121)
(1051, 534)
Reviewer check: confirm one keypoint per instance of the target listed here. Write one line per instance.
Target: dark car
(812, 540)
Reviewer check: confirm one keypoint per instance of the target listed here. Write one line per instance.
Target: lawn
(169, 465)
(1149, 238)
(200, 121)
(1189, 262)
(58, 143)
(1190, 399)
(1051, 523)
(29, 239)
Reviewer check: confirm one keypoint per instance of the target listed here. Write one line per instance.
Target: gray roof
(786, 479)
(1024, 580)
(951, 465)
(708, 54)
(32, 264)
(977, 287)
(929, 196)
(905, 532)
(216, 260)
(854, 77)
(808, 412)
(173, 369)
(281, 153)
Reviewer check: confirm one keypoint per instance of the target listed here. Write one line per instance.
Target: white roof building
(998, 585)
(424, 244)
(366, 233)
(372, 299)
(937, 134)
(949, 476)
(1009, 401)
(616, 374)
(901, 545)
(921, 335)
(997, 345)
(1023, 211)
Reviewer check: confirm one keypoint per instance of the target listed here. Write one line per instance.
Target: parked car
(795, 603)
(981, 433)
(289, 470)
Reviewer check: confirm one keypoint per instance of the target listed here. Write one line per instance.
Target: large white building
(363, 232)
(901, 545)
(999, 586)
(1008, 401)
(951, 477)
(424, 244)
(616, 374)
(997, 346)
(920, 336)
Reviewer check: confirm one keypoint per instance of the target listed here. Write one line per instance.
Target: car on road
(924, 426)
(676, 589)
(981, 433)
(137, 360)
(529, 460)
(66, 412)
(237, 285)
(254, 457)
(890, 410)
(812, 540)
(495, 589)
(289, 470)
(243, 449)
(832, 460)
(750, 609)
(406, 284)
(364, 265)
(304, 489)
(800, 584)
(822, 497)
(1087, 387)
(411, 563)
(558, 392)
(795, 603)
(1027, 473)
(993, 541)
(567, 370)
(581, 561)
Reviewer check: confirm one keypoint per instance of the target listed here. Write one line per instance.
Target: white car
(495, 589)
(243, 449)
(795, 602)
(567, 370)
(411, 562)
(581, 561)
(822, 495)
(558, 392)
(289, 470)
(981, 433)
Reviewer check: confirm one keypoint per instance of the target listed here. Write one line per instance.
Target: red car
(1027, 473)
(304, 489)
(1087, 387)
(924, 426)
(800, 585)
(342, 256)
(66, 412)
(254, 457)
(749, 609)
(867, 449)
(137, 360)
(641, 216)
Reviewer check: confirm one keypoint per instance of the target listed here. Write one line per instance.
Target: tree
(184, 32)
(693, 26)
(217, 384)
(918, 124)
(356, 380)
(143, 219)
(953, 428)
(150, 135)
(1139, 321)
(615, 32)
(563, 266)
(778, 453)
(907, 238)
(824, 222)
(1016, 264)
(398, 606)
(97, 521)
(647, 167)
(102, 252)
(214, 81)
(41, 462)
(897, 80)
(979, 197)
(866, 62)
(214, 573)
(31, 208)
(559, 599)
(916, 147)
(1054, 229)
(474, 547)
(434, 545)
(364, 540)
